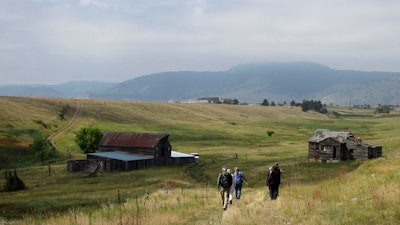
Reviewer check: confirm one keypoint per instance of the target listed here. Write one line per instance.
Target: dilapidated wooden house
(327, 145)
(131, 150)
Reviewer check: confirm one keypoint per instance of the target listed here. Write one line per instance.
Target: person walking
(224, 184)
(274, 180)
(232, 187)
(266, 181)
(239, 178)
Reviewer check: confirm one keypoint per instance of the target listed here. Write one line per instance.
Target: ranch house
(131, 151)
(327, 145)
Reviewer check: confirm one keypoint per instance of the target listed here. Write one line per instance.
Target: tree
(265, 102)
(88, 139)
(316, 106)
(13, 182)
(42, 148)
(293, 103)
(382, 109)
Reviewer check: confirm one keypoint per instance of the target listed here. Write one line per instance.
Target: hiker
(232, 186)
(239, 178)
(224, 185)
(266, 181)
(274, 181)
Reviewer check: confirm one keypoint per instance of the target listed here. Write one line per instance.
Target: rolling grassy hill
(353, 192)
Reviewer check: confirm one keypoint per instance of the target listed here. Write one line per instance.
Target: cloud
(91, 39)
(92, 2)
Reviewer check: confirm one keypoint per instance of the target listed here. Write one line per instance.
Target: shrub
(383, 109)
(43, 149)
(63, 111)
(13, 183)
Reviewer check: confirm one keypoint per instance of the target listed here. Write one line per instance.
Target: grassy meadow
(351, 192)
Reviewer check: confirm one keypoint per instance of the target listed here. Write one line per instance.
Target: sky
(56, 41)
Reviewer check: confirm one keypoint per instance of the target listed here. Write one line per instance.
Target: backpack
(238, 177)
(225, 180)
(275, 177)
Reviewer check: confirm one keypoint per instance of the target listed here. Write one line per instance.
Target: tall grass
(353, 192)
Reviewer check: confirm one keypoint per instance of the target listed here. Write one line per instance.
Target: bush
(13, 183)
(383, 109)
(63, 111)
(43, 149)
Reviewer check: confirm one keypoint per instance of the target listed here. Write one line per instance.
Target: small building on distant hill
(327, 145)
(214, 100)
(131, 151)
(217, 100)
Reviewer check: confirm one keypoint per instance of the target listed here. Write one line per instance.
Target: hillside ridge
(248, 83)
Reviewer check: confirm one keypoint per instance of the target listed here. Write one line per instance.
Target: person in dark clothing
(266, 181)
(274, 180)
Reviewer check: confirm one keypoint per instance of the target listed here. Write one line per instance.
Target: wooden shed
(327, 145)
(131, 151)
(111, 161)
(150, 144)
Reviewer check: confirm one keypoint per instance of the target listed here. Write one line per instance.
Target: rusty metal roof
(322, 134)
(131, 139)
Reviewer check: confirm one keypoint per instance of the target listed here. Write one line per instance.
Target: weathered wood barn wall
(110, 161)
(327, 145)
(131, 151)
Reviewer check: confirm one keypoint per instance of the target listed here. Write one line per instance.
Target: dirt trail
(78, 112)
(254, 202)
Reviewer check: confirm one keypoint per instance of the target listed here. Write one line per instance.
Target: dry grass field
(352, 192)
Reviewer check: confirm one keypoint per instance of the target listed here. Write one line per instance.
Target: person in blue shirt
(239, 178)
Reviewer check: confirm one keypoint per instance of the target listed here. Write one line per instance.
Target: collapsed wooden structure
(327, 145)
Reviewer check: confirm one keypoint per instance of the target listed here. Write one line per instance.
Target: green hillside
(353, 192)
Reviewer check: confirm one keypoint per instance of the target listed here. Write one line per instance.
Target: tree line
(306, 105)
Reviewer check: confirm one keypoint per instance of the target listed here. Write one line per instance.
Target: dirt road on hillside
(78, 112)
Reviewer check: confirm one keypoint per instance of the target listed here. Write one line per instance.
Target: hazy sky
(54, 41)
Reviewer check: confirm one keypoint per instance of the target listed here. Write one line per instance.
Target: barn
(326, 145)
(132, 151)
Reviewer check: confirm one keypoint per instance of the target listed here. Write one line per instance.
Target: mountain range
(248, 83)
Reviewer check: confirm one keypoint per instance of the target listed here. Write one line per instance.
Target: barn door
(334, 152)
(162, 152)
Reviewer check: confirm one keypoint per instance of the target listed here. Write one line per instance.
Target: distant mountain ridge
(71, 89)
(251, 83)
